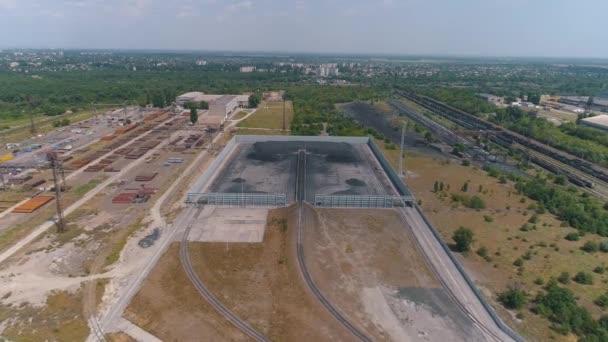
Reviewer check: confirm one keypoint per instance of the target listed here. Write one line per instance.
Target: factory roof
(223, 100)
(598, 120)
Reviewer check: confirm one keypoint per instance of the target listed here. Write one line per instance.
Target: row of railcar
(470, 121)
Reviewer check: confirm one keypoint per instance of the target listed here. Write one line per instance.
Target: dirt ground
(367, 264)
(259, 282)
(497, 228)
(169, 307)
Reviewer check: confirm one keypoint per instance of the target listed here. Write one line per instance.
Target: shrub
(465, 162)
(488, 218)
(604, 246)
(572, 237)
(539, 281)
(602, 301)
(583, 278)
(599, 269)
(533, 219)
(476, 203)
(564, 278)
(463, 237)
(590, 247)
(518, 262)
(513, 298)
(482, 252)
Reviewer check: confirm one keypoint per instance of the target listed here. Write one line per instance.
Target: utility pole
(284, 98)
(401, 171)
(29, 106)
(55, 165)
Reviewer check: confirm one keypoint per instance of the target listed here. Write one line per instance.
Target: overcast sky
(573, 28)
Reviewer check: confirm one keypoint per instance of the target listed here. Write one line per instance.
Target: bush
(533, 219)
(559, 305)
(482, 252)
(602, 301)
(564, 278)
(590, 247)
(463, 238)
(572, 237)
(465, 162)
(599, 269)
(518, 262)
(488, 218)
(539, 281)
(604, 246)
(513, 298)
(476, 203)
(583, 278)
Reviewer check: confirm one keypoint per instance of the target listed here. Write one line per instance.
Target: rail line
(470, 121)
(204, 291)
(444, 284)
(300, 197)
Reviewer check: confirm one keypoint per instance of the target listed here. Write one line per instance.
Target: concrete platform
(229, 225)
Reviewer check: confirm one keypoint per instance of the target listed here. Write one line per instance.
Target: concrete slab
(229, 225)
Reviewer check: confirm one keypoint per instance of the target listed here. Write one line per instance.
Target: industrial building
(220, 106)
(598, 121)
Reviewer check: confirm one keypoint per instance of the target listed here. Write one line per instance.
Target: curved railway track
(445, 285)
(206, 294)
(300, 197)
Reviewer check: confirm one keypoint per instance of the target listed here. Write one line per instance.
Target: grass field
(269, 115)
(498, 228)
(20, 129)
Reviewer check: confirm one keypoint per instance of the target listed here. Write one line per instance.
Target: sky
(510, 28)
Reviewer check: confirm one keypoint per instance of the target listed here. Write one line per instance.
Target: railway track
(300, 197)
(444, 284)
(584, 173)
(204, 291)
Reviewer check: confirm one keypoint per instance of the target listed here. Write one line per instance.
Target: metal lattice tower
(57, 168)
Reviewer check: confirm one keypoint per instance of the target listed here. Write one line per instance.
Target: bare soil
(260, 283)
(369, 266)
(169, 307)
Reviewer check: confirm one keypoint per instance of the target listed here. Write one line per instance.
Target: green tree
(465, 187)
(193, 115)
(254, 100)
(463, 237)
(436, 186)
(513, 298)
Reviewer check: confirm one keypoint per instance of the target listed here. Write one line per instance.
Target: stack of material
(110, 169)
(19, 180)
(135, 154)
(148, 145)
(174, 142)
(124, 197)
(124, 129)
(65, 158)
(94, 168)
(33, 204)
(193, 138)
(108, 137)
(145, 177)
(200, 143)
(34, 184)
(124, 151)
(175, 160)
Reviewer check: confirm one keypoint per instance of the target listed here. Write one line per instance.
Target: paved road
(451, 277)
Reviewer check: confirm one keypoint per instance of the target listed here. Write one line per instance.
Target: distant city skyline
(464, 28)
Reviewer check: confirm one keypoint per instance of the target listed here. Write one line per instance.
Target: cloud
(8, 4)
(246, 4)
(135, 7)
